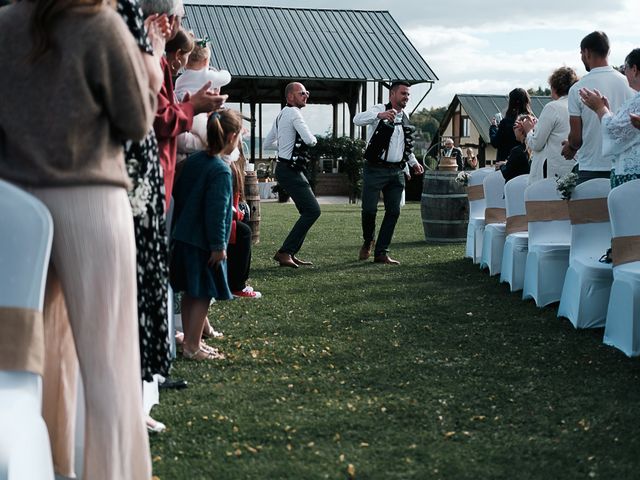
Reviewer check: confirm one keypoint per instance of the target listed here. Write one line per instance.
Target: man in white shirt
(389, 148)
(585, 137)
(290, 134)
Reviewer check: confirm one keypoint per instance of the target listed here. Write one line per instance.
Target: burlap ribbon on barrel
(475, 192)
(517, 223)
(21, 340)
(625, 249)
(547, 211)
(494, 215)
(588, 210)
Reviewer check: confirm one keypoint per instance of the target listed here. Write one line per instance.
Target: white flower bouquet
(566, 184)
(463, 178)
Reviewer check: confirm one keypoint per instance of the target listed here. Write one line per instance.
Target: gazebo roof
(266, 47)
(482, 107)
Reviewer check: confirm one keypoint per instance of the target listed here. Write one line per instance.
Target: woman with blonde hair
(470, 160)
(75, 87)
(545, 136)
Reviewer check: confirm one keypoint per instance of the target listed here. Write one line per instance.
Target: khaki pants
(93, 274)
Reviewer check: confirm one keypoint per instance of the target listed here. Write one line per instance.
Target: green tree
(428, 121)
(540, 92)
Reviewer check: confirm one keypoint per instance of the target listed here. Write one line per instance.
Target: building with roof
(337, 54)
(468, 119)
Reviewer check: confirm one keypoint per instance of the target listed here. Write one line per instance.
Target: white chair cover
(494, 232)
(475, 228)
(26, 233)
(622, 329)
(516, 245)
(587, 285)
(549, 241)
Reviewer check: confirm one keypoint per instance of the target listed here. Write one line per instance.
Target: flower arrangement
(463, 178)
(566, 184)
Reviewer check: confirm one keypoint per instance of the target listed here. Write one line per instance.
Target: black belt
(399, 165)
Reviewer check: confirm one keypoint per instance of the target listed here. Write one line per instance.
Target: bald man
(290, 134)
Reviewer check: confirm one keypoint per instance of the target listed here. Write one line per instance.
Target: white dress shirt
(283, 132)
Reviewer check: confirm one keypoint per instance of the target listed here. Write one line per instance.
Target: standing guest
(517, 162)
(545, 136)
(470, 159)
(202, 226)
(147, 205)
(291, 135)
(173, 118)
(83, 51)
(450, 150)
(389, 149)
(584, 143)
(239, 249)
(621, 140)
(196, 74)
(501, 135)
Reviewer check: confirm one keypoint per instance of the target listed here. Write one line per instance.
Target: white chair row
(551, 250)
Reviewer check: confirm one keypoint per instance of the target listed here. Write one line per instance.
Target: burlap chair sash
(588, 210)
(495, 215)
(625, 249)
(21, 340)
(517, 223)
(547, 211)
(475, 192)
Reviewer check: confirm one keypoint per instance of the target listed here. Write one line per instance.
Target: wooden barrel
(444, 208)
(252, 195)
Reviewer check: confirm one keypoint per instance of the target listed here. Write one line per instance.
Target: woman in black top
(501, 136)
(518, 160)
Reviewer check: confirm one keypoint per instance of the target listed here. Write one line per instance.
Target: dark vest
(299, 154)
(378, 147)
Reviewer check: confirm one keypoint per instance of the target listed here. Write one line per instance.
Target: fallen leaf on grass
(449, 434)
(351, 471)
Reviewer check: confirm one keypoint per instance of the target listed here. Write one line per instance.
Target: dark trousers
(389, 181)
(585, 175)
(297, 186)
(239, 258)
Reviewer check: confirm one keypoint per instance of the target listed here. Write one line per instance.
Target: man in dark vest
(389, 150)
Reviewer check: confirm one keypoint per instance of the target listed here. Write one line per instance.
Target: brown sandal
(202, 354)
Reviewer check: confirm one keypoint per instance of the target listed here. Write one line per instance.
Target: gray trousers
(391, 182)
(297, 186)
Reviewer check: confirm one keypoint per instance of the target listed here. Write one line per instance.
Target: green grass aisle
(427, 370)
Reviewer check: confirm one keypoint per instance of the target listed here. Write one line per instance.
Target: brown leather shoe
(386, 259)
(365, 250)
(285, 260)
(299, 262)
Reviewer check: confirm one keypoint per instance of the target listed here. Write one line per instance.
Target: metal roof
(301, 43)
(481, 108)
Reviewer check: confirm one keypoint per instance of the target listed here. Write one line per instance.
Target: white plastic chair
(622, 329)
(549, 241)
(477, 205)
(516, 245)
(26, 233)
(494, 217)
(587, 285)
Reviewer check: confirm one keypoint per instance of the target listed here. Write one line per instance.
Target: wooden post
(252, 109)
(363, 107)
(260, 130)
(380, 92)
(335, 119)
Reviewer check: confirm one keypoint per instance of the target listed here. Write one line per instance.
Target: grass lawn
(427, 370)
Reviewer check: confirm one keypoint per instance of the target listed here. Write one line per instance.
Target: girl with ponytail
(203, 200)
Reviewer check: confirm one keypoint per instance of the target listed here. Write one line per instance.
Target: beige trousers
(93, 272)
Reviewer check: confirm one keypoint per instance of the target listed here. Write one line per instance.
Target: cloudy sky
(492, 47)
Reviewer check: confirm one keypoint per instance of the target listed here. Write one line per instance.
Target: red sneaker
(247, 292)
